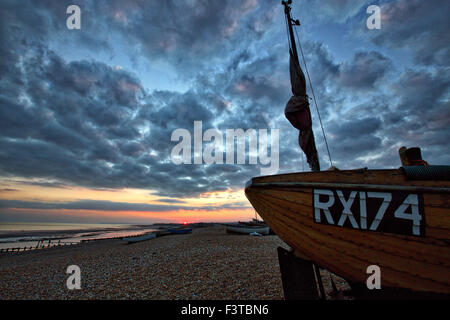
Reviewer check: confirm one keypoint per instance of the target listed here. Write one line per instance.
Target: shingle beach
(207, 264)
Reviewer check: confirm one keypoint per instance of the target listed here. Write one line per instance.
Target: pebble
(207, 264)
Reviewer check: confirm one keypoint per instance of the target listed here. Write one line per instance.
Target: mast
(313, 158)
(287, 12)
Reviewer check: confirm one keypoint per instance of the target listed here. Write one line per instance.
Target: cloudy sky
(86, 116)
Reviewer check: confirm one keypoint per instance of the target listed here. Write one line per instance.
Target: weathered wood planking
(437, 217)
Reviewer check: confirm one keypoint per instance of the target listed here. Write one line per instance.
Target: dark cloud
(44, 184)
(419, 26)
(421, 116)
(188, 34)
(365, 71)
(355, 138)
(107, 206)
(260, 80)
(83, 122)
(171, 200)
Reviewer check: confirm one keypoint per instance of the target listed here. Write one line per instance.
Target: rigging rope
(314, 96)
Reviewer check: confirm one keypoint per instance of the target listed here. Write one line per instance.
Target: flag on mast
(299, 115)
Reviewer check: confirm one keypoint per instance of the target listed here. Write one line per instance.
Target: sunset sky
(86, 116)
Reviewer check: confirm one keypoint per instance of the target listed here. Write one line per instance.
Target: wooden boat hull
(144, 237)
(247, 229)
(421, 262)
(180, 231)
(253, 224)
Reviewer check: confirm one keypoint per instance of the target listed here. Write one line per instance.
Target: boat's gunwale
(378, 178)
(360, 170)
(350, 186)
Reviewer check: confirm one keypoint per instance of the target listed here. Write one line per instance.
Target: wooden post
(297, 276)
(411, 156)
(402, 155)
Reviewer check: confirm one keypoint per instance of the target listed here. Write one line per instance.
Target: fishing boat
(253, 223)
(180, 230)
(246, 229)
(346, 221)
(256, 223)
(144, 237)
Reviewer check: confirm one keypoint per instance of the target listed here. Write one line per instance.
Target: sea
(29, 234)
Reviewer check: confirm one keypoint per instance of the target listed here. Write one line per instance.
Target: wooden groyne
(42, 244)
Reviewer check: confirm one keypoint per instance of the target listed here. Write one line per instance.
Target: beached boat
(246, 229)
(253, 223)
(180, 230)
(346, 221)
(256, 223)
(144, 237)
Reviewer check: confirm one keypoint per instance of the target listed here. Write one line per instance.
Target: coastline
(32, 238)
(62, 232)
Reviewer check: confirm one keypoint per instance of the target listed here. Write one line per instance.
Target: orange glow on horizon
(198, 209)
